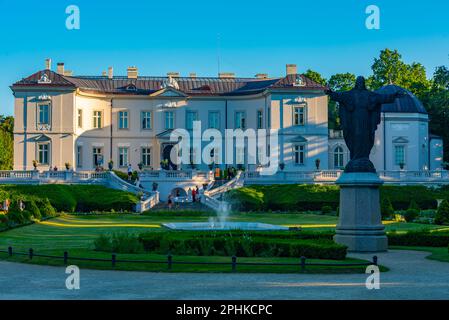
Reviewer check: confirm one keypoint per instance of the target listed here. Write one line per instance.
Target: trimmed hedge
(304, 197)
(419, 239)
(249, 244)
(72, 198)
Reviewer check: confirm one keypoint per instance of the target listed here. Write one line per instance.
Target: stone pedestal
(360, 224)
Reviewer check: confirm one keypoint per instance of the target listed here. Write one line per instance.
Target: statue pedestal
(360, 224)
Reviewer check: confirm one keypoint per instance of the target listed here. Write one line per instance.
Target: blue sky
(254, 36)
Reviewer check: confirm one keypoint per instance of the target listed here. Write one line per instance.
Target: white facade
(88, 121)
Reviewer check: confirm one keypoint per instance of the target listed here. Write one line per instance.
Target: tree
(338, 82)
(442, 215)
(436, 102)
(386, 208)
(342, 81)
(441, 78)
(6, 142)
(390, 69)
(315, 76)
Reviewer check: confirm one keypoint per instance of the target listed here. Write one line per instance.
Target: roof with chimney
(201, 86)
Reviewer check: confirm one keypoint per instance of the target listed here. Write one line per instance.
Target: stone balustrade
(330, 176)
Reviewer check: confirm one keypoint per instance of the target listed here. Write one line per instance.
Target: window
(192, 155)
(79, 156)
(214, 120)
(299, 116)
(338, 157)
(43, 114)
(123, 119)
(43, 153)
(190, 117)
(97, 119)
(80, 118)
(123, 159)
(239, 155)
(240, 120)
(169, 120)
(215, 156)
(399, 155)
(146, 120)
(299, 154)
(259, 119)
(146, 156)
(97, 156)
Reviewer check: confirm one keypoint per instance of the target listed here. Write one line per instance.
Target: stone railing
(330, 176)
(215, 204)
(236, 182)
(148, 203)
(174, 175)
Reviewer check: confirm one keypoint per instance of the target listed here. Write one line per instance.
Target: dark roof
(406, 104)
(188, 85)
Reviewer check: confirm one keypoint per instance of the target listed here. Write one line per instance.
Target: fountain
(220, 223)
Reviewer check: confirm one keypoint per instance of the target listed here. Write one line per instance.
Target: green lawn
(75, 234)
(436, 253)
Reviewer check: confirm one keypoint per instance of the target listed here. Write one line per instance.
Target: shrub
(442, 215)
(46, 208)
(33, 209)
(245, 244)
(246, 199)
(122, 242)
(70, 198)
(293, 197)
(103, 243)
(411, 214)
(386, 208)
(326, 209)
(414, 205)
(419, 238)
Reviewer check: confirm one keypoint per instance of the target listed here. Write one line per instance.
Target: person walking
(193, 195)
(170, 201)
(130, 172)
(189, 195)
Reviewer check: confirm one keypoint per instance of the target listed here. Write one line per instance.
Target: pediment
(169, 92)
(41, 138)
(400, 140)
(298, 138)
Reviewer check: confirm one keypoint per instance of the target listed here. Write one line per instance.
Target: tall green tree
(389, 68)
(338, 82)
(342, 81)
(6, 142)
(315, 76)
(441, 78)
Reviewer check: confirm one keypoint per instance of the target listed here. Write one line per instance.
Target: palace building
(87, 121)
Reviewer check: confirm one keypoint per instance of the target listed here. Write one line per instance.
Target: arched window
(338, 157)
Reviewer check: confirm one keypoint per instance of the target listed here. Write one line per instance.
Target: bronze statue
(359, 111)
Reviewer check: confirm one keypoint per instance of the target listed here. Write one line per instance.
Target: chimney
(48, 64)
(110, 72)
(262, 76)
(60, 68)
(173, 74)
(68, 73)
(132, 73)
(291, 69)
(103, 73)
(226, 75)
(192, 75)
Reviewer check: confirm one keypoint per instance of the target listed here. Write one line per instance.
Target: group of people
(5, 206)
(193, 195)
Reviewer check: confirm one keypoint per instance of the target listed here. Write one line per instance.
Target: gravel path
(411, 276)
